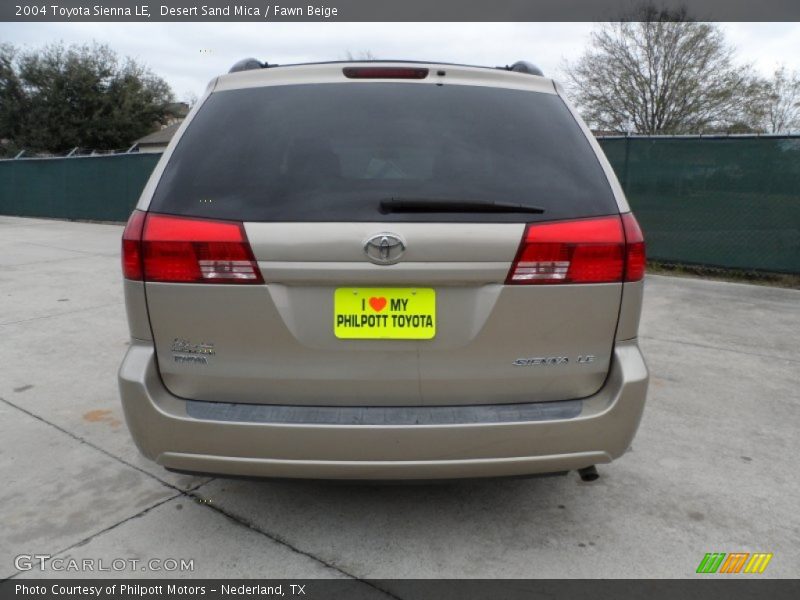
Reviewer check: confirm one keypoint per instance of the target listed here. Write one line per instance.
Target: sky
(189, 55)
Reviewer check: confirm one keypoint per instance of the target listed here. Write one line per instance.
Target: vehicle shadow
(469, 528)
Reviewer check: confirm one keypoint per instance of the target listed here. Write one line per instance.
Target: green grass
(784, 280)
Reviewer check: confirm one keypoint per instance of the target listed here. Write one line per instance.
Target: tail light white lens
(188, 250)
(577, 251)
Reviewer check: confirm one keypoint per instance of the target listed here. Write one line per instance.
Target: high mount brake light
(385, 73)
(580, 251)
(187, 250)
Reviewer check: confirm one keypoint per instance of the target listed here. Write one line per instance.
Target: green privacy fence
(103, 188)
(729, 202)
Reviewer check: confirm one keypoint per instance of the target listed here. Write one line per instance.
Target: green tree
(58, 97)
(660, 72)
(11, 99)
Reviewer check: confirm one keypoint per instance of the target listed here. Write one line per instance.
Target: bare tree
(362, 55)
(190, 99)
(659, 73)
(781, 102)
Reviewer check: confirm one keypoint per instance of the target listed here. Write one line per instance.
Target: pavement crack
(49, 261)
(96, 534)
(98, 448)
(189, 493)
(85, 253)
(61, 314)
(278, 539)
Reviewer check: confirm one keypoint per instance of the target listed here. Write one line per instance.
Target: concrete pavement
(713, 467)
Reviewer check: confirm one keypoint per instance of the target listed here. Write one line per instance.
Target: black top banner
(388, 10)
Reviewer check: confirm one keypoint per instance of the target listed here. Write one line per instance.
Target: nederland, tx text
(143, 590)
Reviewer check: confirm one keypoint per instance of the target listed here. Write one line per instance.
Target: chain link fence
(92, 188)
(731, 202)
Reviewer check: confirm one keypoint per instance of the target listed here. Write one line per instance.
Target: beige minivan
(383, 270)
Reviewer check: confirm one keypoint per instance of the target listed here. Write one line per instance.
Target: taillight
(635, 258)
(385, 73)
(578, 251)
(188, 250)
(131, 246)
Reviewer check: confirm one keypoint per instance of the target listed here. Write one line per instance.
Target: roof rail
(523, 66)
(248, 64)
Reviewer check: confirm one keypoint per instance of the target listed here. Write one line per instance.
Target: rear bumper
(478, 442)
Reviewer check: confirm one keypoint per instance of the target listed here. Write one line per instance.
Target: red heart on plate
(377, 304)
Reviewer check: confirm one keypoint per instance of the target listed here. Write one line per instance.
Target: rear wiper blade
(444, 205)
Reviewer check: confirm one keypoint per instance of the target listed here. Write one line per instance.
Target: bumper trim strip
(372, 469)
(383, 415)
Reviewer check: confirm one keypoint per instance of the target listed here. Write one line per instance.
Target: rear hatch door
(311, 171)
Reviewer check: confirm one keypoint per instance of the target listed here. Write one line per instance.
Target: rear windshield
(332, 152)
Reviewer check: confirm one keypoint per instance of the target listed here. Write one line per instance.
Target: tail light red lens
(385, 73)
(131, 246)
(577, 251)
(188, 250)
(635, 256)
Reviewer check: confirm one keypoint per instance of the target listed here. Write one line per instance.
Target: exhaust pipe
(588, 474)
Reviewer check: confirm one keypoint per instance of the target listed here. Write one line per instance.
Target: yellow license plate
(384, 313)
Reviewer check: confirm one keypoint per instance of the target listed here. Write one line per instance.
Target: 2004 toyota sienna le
(383, 270)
